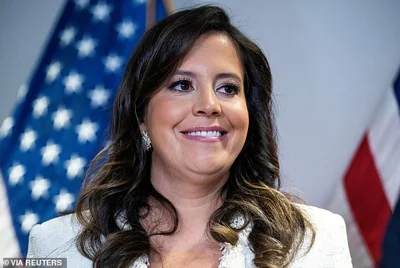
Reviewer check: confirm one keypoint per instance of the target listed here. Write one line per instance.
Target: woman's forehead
(214, 52)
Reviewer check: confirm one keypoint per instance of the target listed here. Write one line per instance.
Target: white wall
(331, 62)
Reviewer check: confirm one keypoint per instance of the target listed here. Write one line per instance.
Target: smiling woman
(191, 176)
(199, 121)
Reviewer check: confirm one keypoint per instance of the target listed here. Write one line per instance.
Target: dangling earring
(146, 140)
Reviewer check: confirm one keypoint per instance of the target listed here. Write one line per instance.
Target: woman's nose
(207, 103)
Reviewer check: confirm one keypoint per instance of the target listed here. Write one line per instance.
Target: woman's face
(198, 121)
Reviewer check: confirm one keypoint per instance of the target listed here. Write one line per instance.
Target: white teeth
(205, 133)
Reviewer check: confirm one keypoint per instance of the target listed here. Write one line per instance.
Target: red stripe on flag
(367, 199)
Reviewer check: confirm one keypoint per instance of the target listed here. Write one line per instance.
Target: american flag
(62, 114)
(371, 188)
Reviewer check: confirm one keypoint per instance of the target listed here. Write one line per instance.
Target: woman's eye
(229, 89)
(181, 85)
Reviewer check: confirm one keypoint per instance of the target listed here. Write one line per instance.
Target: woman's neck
(194, 204)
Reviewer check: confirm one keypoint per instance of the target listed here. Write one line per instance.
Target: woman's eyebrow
(218, 76)
(185, 73)
(229, 75)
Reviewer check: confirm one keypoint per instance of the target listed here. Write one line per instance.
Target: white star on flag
(67, 36)
(21, 92)
(61, 118)
(50, 153)
(63, 200)
(112, 63)
(126, 29)
(99, 96)
(40, 106)
(6, 127)
(81, 4)
(75, 166)
(28, 139)
(73, 83)
(140, 2)
(86, 47)
(39, 187)
(87, 131)
(101, 12)
(53, 70)
(28, 220)
(17, 172)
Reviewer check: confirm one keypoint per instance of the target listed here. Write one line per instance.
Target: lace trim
(141, 262)
(232, 256)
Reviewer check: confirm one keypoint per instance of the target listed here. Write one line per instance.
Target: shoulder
(56, 239)
(330, 248)
(321, 217)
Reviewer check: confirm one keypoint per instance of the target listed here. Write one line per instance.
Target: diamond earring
(146, 140)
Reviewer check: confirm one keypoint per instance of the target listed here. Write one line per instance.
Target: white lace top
(330, 250)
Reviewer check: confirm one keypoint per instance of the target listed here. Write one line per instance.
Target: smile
(208, 134)
(204, 133)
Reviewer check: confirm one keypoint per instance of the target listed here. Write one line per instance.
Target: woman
(191, 177)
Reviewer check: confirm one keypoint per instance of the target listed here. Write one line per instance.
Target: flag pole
(169, 6)
(150, 13)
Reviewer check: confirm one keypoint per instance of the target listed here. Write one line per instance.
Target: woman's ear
(143, 123)
(143, 127)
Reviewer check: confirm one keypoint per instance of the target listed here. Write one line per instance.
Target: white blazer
(56, 238)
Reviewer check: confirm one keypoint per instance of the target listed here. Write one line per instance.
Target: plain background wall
(331, 62)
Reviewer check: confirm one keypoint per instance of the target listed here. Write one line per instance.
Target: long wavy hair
(118, 181)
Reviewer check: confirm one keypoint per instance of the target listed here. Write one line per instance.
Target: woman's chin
(210, 169)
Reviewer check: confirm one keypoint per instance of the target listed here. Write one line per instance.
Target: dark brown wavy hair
(118, 181)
